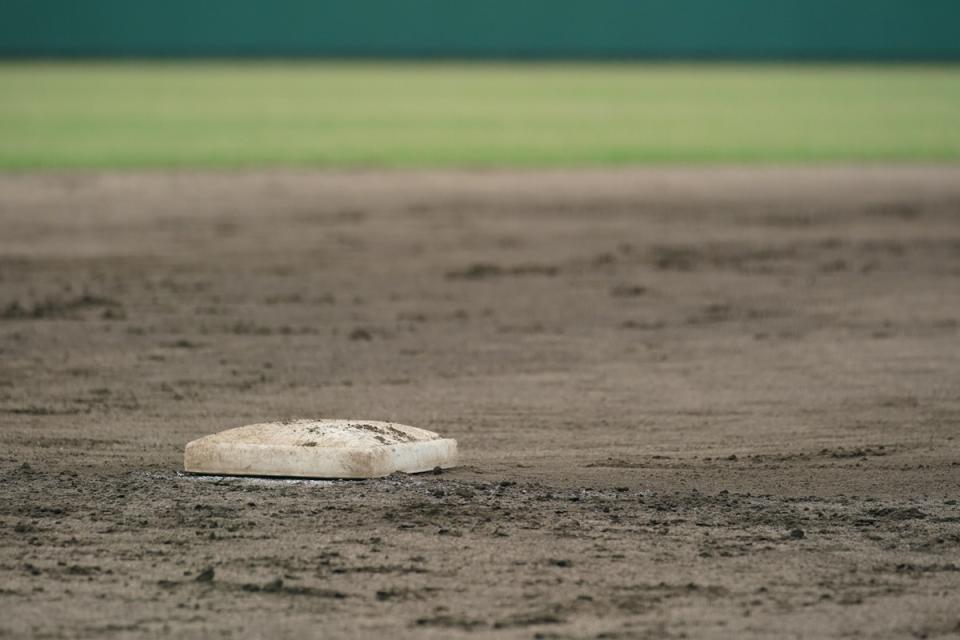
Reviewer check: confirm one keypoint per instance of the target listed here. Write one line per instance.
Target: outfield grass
(121, 115)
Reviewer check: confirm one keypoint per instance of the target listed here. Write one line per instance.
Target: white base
(320, 449)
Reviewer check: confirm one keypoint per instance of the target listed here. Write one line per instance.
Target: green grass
(126, 115)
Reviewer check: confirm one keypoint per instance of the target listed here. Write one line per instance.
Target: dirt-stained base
(691, 403)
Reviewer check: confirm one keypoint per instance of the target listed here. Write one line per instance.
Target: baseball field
(695, 328)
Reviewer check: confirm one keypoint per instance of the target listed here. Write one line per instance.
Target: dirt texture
(691, 403)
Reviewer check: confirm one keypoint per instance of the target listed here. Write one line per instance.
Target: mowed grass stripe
(218, 115)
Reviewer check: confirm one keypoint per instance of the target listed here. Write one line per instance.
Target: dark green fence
(764, 29)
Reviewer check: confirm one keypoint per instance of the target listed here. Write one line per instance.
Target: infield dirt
(690, 403)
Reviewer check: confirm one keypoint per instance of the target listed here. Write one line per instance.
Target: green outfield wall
(671, 29)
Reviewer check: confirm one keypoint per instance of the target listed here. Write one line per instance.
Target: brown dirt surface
(691, 403)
